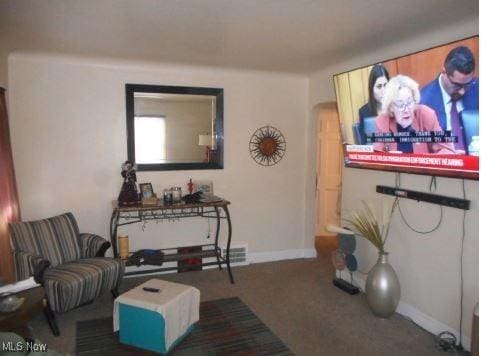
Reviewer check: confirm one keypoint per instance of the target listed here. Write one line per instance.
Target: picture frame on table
(146, 190)
(204, 186)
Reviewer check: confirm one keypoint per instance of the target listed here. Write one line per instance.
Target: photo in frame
(146, 190)
(204, 186)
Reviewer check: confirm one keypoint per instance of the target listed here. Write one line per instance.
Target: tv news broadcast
(417, 114)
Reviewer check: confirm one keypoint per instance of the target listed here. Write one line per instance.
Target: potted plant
(382, 285)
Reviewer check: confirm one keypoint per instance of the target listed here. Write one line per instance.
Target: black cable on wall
(445, 340)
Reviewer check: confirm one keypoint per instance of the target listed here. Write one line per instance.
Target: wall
(69, 141)
(3, 68)
(428, 266)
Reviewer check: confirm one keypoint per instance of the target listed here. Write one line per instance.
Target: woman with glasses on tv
(402, 117)
(378, 78)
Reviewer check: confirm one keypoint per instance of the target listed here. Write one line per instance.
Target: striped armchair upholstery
(68, 264)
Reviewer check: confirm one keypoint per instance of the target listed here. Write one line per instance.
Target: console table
(125, 215)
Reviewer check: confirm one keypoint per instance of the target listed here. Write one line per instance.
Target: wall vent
(238, 255)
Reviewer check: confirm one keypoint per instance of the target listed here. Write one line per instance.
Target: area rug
(226, 327)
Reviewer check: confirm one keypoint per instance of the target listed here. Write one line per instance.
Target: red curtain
(9, 208)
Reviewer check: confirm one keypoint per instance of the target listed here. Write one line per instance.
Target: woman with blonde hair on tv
(402, 116)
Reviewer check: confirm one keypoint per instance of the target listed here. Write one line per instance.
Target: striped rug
(226, 327)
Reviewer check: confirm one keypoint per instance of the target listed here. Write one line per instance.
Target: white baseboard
(425, 321)
(430, 324)
(260, 257)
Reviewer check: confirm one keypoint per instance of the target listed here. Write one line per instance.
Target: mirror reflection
(174, 127)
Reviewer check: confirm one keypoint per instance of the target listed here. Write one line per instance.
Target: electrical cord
(461, 271)
(208, 228)
(432, 184)
(444, 341)
(397, 181)
(418, 231)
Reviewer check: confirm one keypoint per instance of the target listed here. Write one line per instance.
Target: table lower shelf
(165, 269)
(172, 255)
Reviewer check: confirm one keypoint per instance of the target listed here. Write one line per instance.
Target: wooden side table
(34, 303)
(125, 215)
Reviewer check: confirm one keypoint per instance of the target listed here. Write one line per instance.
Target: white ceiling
(298, 36)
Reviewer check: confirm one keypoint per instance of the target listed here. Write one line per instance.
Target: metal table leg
(229, 236)
(114, 220)
(217, 215)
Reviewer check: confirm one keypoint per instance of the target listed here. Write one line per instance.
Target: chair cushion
(55, 239)
(75, 283)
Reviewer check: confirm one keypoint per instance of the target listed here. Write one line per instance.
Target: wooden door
(329, 168)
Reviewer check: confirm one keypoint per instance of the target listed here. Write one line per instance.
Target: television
(394, 116)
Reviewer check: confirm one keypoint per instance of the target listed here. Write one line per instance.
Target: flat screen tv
(416, 114)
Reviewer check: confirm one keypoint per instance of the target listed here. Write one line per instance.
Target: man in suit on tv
(455, 89)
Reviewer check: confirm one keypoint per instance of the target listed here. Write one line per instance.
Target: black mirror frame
(130, 89)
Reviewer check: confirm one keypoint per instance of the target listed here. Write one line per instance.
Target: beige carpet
(295, 299)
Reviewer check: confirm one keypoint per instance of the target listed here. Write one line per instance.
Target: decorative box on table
(156, 321)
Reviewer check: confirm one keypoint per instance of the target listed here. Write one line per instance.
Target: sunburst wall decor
(267, 146)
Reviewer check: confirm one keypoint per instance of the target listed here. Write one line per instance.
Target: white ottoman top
(177, 303)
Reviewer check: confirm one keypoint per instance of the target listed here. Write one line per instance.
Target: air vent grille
(238, 255)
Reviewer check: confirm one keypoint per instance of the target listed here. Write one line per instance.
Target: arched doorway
(328, 175)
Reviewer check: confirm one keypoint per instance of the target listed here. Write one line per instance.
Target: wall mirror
(174, 128)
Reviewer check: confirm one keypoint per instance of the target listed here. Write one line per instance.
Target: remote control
(150, 289)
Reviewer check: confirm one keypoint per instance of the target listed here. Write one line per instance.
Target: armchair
(68, 264)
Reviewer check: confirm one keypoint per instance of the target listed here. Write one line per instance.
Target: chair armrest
(93, 245)
(27, 264)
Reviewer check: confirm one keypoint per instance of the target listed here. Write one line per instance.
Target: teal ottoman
(156, 321)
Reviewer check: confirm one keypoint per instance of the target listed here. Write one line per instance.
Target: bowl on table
(9, 302)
